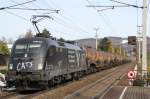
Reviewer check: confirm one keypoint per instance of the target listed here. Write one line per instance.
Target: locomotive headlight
(10, 66)
(40, 66)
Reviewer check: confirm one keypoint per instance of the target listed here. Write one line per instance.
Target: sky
(74, 21)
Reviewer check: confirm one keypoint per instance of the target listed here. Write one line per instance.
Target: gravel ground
(61, 92)
(124, 81)
(69, 88)
(3, 93)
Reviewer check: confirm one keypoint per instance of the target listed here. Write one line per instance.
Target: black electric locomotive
(39, 62)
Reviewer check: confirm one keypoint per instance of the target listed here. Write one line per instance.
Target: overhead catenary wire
(11, 13)
(47, 4)
(70, 26)
(129, 5)
(32, 9)
(105, 9)
(39, 8)
(19, 4)
(65, 33)
(23, 5)
(36, 5)
(102, 16)
(63, 23)
(39, 24)
(104, 6)
(26, 8)
(75, 25)
(51, 2)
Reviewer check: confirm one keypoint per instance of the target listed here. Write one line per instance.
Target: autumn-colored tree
(10, 41)
(105, 45)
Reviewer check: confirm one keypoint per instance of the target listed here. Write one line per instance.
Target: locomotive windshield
(28, 48)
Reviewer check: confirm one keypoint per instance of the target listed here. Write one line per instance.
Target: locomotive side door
(71, 60)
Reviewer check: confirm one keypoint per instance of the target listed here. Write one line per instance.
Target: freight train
(38, 62)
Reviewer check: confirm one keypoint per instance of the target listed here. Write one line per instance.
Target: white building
(9, 46)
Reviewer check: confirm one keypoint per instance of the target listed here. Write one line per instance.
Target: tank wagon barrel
(101, 60)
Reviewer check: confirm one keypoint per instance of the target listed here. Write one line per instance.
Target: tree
(29, 34)
(117, 50)
(45, 33)
(3, 39)
(71, 42)
(4, 48)
(10, 41)
(61, 40)
(105, 45)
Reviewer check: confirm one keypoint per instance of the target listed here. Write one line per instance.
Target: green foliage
(45, 33)
(117, 50)
(3, 71)
(70, 41)
(61, 40)
(67, 41)
(4, 48)
(105, 45)
(138, 82)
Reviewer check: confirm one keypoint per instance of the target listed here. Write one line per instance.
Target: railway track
(68, 90)
(92, 88)
(7, 95)
(29, 95)
(96, 89)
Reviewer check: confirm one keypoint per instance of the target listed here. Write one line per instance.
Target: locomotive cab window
(34, 47)
(20, 48)
(28, 47)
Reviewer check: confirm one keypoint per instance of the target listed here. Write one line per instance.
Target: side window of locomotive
(57, 50)
(83, 57)
(60, 50)
(52, 50)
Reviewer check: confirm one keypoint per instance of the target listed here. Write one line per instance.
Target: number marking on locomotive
(24, 65)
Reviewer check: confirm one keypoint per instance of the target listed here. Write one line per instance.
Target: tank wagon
(98, 60)
(38, 62)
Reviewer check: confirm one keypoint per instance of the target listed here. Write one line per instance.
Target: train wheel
(57, 79)
(50, 83)
(76, 76)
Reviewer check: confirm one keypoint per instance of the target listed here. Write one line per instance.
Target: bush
(3, 71)
(4, 48)
(138, 82)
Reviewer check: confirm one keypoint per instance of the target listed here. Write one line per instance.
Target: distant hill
(115, 41)
(91, 41)
(87, 42)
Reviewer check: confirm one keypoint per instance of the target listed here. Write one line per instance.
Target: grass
(3, 69)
